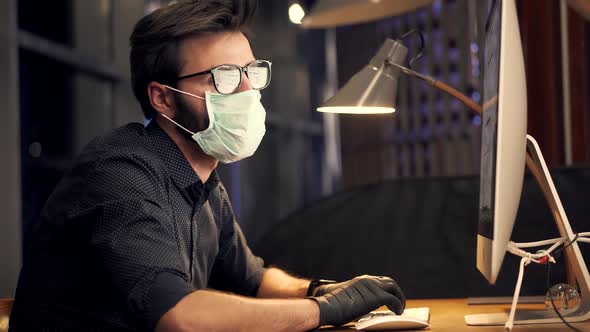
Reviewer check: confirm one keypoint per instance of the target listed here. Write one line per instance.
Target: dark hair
(155, 38)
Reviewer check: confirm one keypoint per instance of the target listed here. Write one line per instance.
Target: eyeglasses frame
(242, 71)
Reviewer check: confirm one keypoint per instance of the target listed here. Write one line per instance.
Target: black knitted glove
(343, 302)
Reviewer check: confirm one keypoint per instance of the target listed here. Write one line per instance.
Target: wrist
(315, 283)
(299, 288)
(314, 314)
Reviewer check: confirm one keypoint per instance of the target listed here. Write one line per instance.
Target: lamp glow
(356, 110)
(296, 13)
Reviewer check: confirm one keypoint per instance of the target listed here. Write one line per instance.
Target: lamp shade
(332, 13)
(373, 89)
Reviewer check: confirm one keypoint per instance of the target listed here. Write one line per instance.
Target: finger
(390, 286)
(383, 297)
(392, 302)
(396, 305)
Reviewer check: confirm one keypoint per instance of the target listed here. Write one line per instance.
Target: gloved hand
(343, 302)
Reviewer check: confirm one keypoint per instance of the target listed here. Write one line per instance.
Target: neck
(202, 163)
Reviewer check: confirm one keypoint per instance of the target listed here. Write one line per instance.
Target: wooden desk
(5, 307)
(446, 315)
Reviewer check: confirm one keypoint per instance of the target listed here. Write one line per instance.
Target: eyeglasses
(228, 78)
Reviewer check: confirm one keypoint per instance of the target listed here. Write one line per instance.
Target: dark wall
(422, 232)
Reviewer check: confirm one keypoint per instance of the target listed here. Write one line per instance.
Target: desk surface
(448, 315)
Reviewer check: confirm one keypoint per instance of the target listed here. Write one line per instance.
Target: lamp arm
(473, 106)
(460, 96)
(441, 86)
(530, 163)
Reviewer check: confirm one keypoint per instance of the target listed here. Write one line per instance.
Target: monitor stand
(577, 269)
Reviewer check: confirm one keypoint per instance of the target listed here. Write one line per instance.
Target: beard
(189, 118)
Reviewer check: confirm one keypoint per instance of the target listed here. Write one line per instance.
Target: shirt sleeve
(236, 268)
(134, 239)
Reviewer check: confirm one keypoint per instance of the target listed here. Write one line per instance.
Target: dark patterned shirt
(128, 232)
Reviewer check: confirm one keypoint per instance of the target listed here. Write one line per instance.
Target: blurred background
(66, 80)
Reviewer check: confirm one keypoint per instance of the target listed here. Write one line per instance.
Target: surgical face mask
(236, 125)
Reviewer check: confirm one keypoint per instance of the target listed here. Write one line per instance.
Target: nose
(246, 85)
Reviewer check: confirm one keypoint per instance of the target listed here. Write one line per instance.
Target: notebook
(385, 320)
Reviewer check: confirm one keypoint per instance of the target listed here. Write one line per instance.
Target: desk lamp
(373, 89)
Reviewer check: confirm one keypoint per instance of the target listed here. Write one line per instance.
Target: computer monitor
(506, 148)
(504, 123)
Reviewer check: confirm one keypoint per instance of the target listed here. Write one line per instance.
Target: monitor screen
(489, 121)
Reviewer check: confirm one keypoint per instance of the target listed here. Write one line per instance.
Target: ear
(161, 99)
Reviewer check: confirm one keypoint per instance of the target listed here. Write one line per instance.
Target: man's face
(203, 53)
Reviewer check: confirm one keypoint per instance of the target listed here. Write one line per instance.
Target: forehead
(198, 53)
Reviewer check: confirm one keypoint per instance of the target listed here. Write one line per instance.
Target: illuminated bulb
(296, 13)
(356, 110)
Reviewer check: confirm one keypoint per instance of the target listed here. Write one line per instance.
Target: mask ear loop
(176, 123)
(183, 92)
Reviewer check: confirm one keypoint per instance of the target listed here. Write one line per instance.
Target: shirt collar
(180, 169)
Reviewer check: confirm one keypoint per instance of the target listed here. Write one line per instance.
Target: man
(140, 233)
